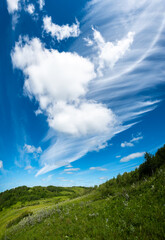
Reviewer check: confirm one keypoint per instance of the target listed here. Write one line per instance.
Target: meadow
(130, 206)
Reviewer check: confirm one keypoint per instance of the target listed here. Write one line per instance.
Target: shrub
(19, 218)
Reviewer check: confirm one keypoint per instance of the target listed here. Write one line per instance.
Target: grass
(131, 206)
(16, 210)
(133, 212)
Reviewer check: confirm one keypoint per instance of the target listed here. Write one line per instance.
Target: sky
(82, 89)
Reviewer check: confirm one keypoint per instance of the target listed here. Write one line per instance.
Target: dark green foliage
(147, 168)
(151, 164)
(26, 194)
(19, 218)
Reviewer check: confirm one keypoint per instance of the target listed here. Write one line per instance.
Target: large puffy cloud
(60, 32)
(51, 75)
(59, 81)
(84, 119)
(13, 5)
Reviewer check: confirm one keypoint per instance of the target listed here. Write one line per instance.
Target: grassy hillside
(25, 195)
(17, 202)
(131, 206)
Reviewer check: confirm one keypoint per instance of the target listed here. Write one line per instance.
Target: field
(131, 206)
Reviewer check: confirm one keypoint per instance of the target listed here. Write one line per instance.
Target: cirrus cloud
(109, 53)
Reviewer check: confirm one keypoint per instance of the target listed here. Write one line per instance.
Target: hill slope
(131, 206)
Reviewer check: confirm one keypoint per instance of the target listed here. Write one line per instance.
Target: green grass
(16, 210)
(133, 212)
(129, 207)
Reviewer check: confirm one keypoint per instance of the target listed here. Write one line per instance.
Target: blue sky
(81, 89)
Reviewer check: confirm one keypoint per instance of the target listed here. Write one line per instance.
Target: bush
(19, 218)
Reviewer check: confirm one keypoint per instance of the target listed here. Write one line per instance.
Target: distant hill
(26, 194)
(130, 206)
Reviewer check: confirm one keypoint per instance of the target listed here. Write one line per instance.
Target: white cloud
(1, 164)
(84, 119)
(131, 142)
(41, 4)
(32, 149)
(68, 149)
(51, 75)
(72, 170)
(119, 156)
(102, 146)
(29, 167)
(127, 144)
(13, 5)
(30, 9)
(38, 112)
(89, 42)
(136, 139)
(132, 156)
(61, 32)
(69, 166)
(109, 53)
(15, 18)
(98, 168)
